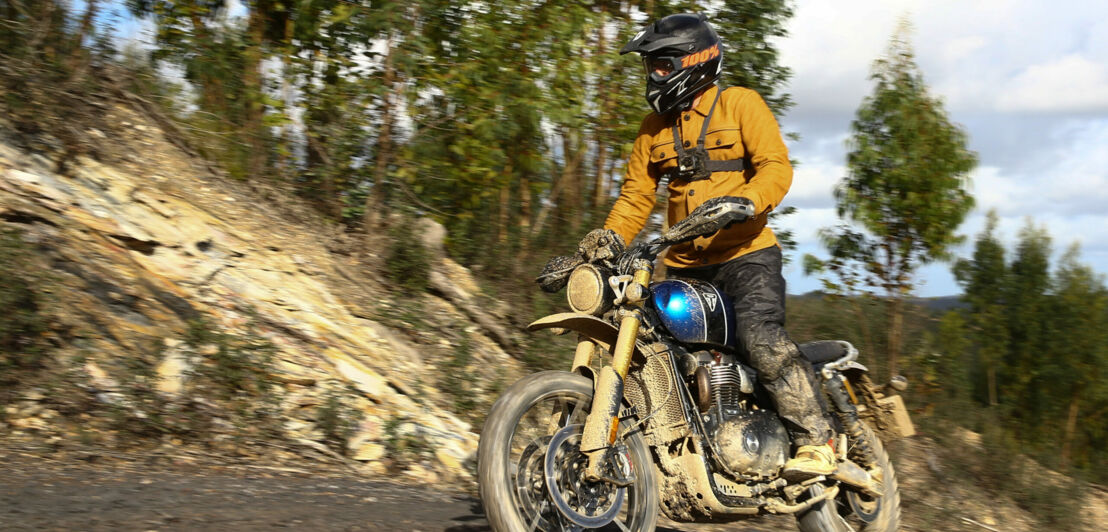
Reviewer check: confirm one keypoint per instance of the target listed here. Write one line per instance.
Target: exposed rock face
(147, 243)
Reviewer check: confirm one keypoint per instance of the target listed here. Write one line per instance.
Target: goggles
(659, 69)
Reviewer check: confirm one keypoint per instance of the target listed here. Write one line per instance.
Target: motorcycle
(654, 418)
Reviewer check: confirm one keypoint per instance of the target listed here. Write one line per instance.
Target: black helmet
(692, 49)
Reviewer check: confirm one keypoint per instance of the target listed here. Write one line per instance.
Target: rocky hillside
(164, 286)
(165, 309)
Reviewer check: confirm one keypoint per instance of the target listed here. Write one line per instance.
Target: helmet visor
(659, 68)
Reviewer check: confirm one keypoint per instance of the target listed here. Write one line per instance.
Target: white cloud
(1064, 173)
(1029, 80)
(971, 53)
(806, 223)
(1069, 83)
(814, 183)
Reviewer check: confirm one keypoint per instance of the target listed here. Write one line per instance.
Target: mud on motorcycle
(673, 421)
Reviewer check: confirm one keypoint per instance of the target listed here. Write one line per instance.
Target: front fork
(602, 425)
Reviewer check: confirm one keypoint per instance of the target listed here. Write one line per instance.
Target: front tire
(513, 446)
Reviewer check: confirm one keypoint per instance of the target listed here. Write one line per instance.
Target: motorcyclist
(704, 142)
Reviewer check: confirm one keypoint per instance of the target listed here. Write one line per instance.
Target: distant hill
(935, 304)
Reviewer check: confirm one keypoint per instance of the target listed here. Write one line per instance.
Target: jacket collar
(705, 104)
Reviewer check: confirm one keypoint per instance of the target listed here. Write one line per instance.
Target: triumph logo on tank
(710, 299)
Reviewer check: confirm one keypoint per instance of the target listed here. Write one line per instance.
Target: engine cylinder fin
(726, 386)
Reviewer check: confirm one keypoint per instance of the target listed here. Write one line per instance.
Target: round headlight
(587, 292)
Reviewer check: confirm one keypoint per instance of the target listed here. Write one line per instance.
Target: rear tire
(875, 515)
(515, 436)
(851, 511)
(821, 517)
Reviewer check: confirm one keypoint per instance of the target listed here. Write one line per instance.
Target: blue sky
(1027, 79)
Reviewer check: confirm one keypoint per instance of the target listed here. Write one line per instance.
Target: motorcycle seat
(823, 351)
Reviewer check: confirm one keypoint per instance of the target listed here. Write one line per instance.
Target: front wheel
(512, 458)
(852, 511)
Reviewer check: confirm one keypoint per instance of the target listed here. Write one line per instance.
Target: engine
(750, 441)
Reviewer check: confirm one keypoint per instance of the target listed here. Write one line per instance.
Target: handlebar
(709, 218)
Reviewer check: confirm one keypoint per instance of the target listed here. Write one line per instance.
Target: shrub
(408, 263)
(404, 443)
(336, 418)
(24, 319)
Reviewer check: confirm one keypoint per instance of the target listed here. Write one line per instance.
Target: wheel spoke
(535, 522)
(543, 479)
(578, 407)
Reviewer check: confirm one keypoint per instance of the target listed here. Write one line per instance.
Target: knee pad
(772, 360)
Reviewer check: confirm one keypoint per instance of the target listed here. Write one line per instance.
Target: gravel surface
(38, 493)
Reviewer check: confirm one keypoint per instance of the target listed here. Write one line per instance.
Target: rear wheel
(875, 514)
(853, 511)
(529, 463)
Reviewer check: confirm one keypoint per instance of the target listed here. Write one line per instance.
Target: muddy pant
(755, 285)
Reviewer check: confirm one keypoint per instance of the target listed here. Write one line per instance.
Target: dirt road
(43, 494)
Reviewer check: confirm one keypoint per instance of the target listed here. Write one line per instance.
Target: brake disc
(583, 503)
(530, 479)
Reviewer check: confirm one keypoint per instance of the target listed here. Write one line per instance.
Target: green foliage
(459, 380)
(1039, 345)
(228, 388)
(336, 417)
(25, 318)
(404, 443)
(234, 365)
(408, 264)
(907, 174)
(950, 370)
(986, 281)
(749, 30)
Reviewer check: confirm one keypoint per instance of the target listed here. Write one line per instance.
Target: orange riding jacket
(742, 127)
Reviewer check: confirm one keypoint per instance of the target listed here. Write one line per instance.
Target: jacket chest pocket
(724, 142)
(663, 152)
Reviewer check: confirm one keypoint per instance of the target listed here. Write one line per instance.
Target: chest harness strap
(695, 165)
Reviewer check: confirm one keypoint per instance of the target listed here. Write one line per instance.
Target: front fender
(591, 327)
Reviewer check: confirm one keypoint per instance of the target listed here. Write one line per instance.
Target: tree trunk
(284, 143)
(600, 188)
(211, 88)
(524, 225)
(863, 324)
(572, 163)
(78, 55)
(570, 209)
(252, 88)
(323, 167)
(375, 200)
(43, 31)
(896, 325)
(990, 374)
(524, 207)
(505, 204)
(1071, 429)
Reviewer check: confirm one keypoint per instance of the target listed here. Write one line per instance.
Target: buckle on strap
(733, 165)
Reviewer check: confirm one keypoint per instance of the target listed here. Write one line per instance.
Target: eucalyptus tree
(985, 280)
(1027, 310)
(1076, 364)
(906, 184)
